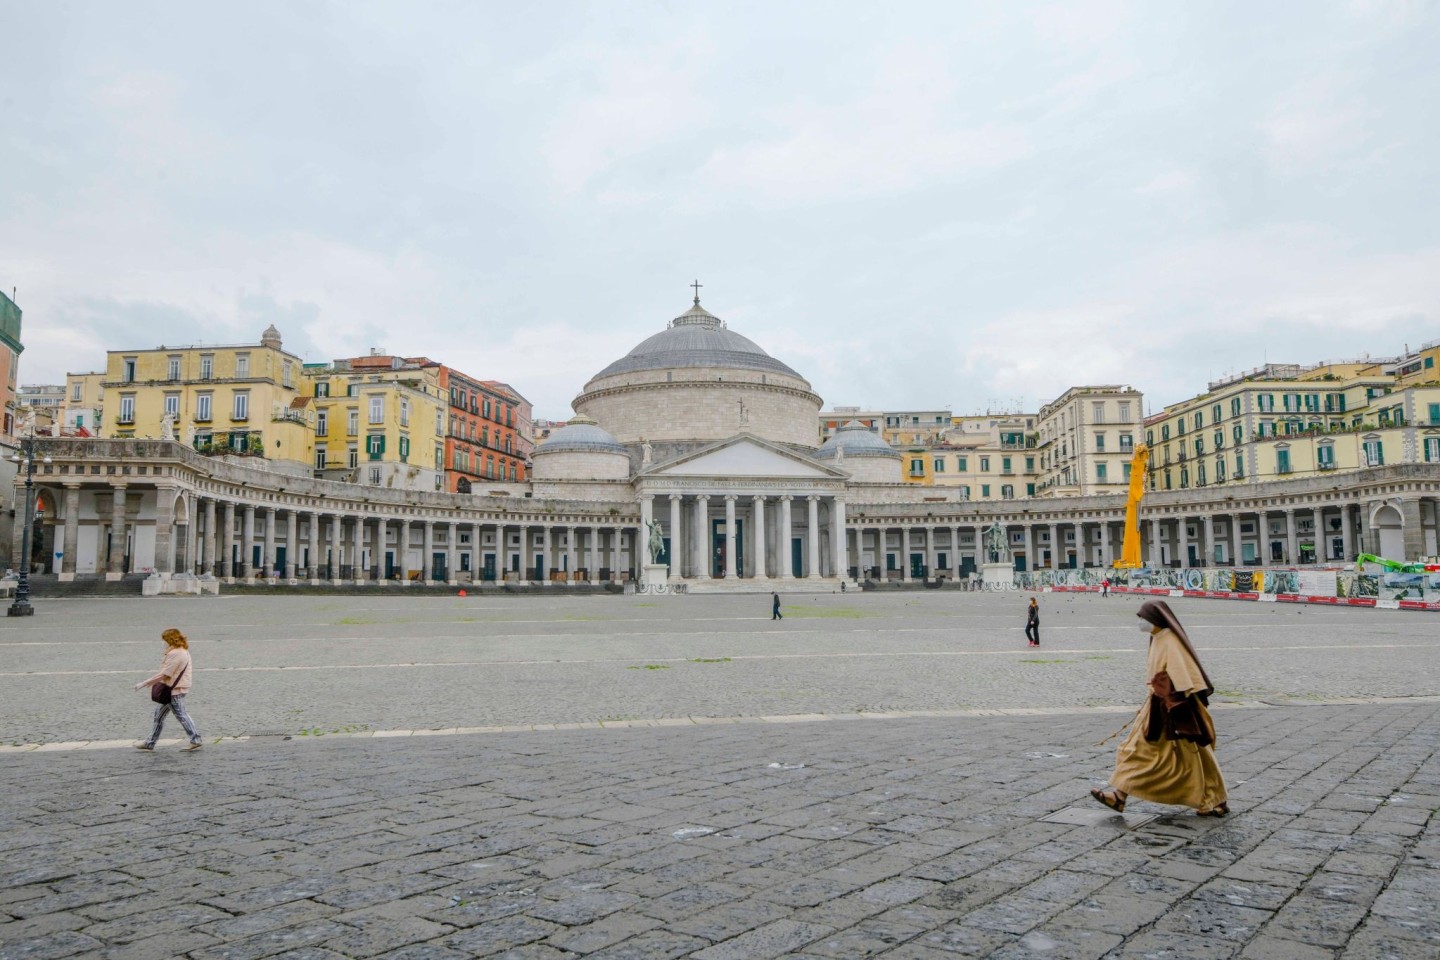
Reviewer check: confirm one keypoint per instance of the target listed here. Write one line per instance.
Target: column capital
(759, 498)
(677, 496)
(731, 498)
(785, 498)
(702, 496)
(648, 497)
(813, 498)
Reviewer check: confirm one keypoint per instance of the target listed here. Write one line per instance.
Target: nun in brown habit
(1169, 755)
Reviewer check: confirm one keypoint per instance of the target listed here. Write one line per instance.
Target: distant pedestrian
(1032, 623)
(1105, 587)
(775, 607)
(1169, 755)
(175, 671)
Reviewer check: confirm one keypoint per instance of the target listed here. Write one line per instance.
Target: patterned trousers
(176, 706)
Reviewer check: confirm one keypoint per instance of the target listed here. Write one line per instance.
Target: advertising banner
(1315, 583)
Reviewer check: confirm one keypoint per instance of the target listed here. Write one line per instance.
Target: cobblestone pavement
(919, 837)
(267, 665)
(916, 838)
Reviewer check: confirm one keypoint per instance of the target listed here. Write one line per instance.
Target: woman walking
(1169, 756)
(1032, 623)
(175, 670)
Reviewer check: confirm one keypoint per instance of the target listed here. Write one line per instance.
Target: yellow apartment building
(224, 400)
(379, 421)
(1086, 440)
(1287, 420)
(987, 457)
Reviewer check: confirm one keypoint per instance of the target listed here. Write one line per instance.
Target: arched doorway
(1389, 532)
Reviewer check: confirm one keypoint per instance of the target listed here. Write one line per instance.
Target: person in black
(1032, 623)
(775, 609)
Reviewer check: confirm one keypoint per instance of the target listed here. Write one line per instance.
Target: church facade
(697, 435)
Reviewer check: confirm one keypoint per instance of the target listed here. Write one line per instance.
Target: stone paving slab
(918, 837)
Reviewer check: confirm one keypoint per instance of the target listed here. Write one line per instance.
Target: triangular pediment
(745, 456)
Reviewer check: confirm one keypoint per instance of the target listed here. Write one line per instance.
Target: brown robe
(1168, 770)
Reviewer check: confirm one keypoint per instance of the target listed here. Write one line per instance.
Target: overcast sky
(916, 205)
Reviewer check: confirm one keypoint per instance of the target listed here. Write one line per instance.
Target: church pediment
(745, 456)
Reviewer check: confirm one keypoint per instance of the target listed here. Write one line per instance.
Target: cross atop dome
(697, 285)
(698, 316)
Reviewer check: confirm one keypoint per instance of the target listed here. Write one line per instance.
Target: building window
(1432, 449)
(1127, 443)
(1282, 461)
(1325, 456)
(1200, 474)
(241, 409)
(322, 422)
(1239, 467)
(965, 492)
(962, 464)
(375, 445)
(404, 413)
(128, 370)
(285, 375)
(377, 409)
(242, 364)
(1219, 469)
(1219, 439)
(127, 409)
(440, 421)
(1097, 413)
(1124, 411)
(1374, 453)
(404, 449)
(1099, 443)
(374, 476)
(172, 368)
(353, 456)
(1199, 419)
(917, 468)
(320, 456)
(1100, 472)
(172, 405)
(984, 491)
(984, 464)
(352, 421)
(1005, 465)
(1199, 446)
(1007, 492)
(1265, 402)
(1164, 431)
(1434, 410)
(207, 366)
(939, 464)
(322, 388)
(202, 407)
(1125, 472)
(1234, 406)
(75, 393)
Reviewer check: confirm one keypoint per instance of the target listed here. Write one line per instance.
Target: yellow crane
(1130, 552)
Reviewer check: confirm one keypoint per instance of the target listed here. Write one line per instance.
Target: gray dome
(580, 435)
(697, 338)
(857, 440)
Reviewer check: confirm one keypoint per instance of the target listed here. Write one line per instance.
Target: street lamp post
(21, 607)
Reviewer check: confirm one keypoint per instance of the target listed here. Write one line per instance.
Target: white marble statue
(167, 427)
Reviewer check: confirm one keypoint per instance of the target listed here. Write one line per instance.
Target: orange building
(484, 441)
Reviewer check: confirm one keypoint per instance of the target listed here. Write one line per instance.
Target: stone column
(1055, 546)
(931, 560)
(1235, 539)
(1292, 542)
(292, 542)
(72, 531)
(676, 552)
(357, 561)
(979, 534)
(312, 553)
(841, 537)
(730, 565)
(1156, 556)
(246, 567)
(546, 563)
(332, 567)
(208, 568)
(904, 554)
(570, 554)
(227, 543)
(1412, 529)
(955, 553)
(115, 567)
(814, 539)
(761, 563)
(267, 549)
(704, 550)
(783, 539)
(1029, 544)
(452, 554)
(594, 563)
(427, 557)
(477, 551)
(1182, 537)
(615, 554)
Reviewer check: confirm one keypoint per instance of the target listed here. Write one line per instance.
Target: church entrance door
(717, 548)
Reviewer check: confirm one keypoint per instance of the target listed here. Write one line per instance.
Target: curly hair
(175, 638)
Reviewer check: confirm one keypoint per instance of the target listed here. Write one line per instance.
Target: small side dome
(580, 435)
(271, 337)
(856, 440)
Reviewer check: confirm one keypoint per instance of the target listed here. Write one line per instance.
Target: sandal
(1110, 799)
(1218, 811)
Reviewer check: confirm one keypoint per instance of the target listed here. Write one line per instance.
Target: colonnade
(748, 536)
